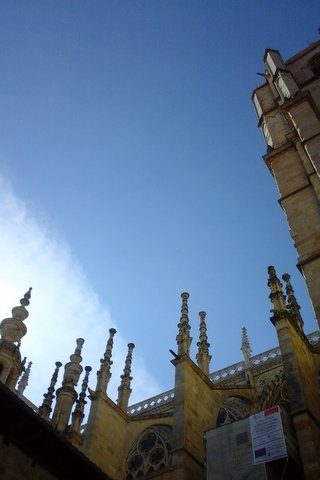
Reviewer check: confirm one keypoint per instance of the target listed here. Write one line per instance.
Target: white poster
(268, 442)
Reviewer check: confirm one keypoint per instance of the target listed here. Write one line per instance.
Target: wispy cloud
(63, 305)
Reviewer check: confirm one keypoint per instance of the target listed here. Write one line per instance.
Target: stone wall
(16, 465)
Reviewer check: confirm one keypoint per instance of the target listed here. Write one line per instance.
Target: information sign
(268, 442)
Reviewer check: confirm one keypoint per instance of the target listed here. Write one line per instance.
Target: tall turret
(276, 296)
(104, 374)
(293, 306)
(46, 406)
(24, 380)
(203, 356)
(124, 390)
(67, 395)
(183, 338)
(78, 413)
(12, 330)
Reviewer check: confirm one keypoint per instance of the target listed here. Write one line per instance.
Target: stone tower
(288, 109)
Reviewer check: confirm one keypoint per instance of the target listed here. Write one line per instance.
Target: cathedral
(202, 428)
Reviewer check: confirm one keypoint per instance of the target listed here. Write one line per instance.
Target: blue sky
(131, 170)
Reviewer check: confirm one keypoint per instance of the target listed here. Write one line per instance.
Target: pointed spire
(276, 296)
(124, 390)
(78, 413)
(104, 374)
(46, 407)
(246, 350)
(245, 347)
(203, 356)
(183, 338)
(23, 382)
(293, 306)
(66, 395)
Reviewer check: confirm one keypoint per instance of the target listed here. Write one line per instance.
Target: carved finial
(104, 374)
(276, 296)
(183, 337)
(286, 277)
(78, 413)
(46, 407)
(203, 356)
(79, 342)
(293, 306)
(124, 389)
(23, 382)
(25, 301)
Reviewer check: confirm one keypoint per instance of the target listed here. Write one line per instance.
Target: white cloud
(63, 305)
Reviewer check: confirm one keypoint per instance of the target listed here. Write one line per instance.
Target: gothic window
(150, 453)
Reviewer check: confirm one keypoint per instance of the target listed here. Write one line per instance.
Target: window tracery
(234, 408)
(273, 391)
(150, 453)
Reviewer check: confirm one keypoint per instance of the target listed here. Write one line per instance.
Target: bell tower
(288, 109)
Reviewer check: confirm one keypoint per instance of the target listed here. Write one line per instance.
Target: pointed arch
(233, 409)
